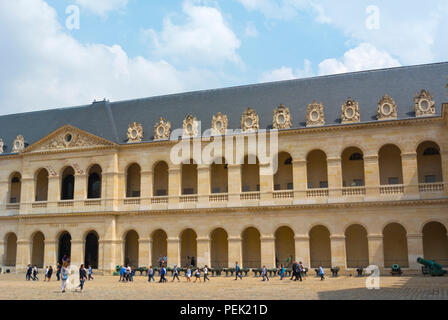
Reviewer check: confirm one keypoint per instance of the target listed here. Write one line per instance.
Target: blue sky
(128, 49)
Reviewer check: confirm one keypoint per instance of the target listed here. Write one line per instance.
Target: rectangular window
(276, 187)
(358, 182)
(216, 190)
(323, 184)
(188, 191)
(13, 200)
(135, 194)
(246, 189)
(258, 187)
(393, 180)
(430, 179)
(290, 186)
(161, 193)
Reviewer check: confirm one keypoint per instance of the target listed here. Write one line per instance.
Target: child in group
(197, 274)
(90, 273)
(151, 274)
(188, 274)
(282, 272)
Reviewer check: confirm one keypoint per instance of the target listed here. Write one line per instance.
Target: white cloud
(285, 73)
(363, 57)
(43, 66)
(204, 38)
(101, 7)
(251, 30)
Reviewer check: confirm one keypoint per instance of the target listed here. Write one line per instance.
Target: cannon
(431, 267)
(360, 271)
(396, 270)
(334, 271)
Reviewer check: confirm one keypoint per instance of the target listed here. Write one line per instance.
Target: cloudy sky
(125, 49)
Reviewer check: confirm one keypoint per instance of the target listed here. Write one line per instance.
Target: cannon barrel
(429, 263)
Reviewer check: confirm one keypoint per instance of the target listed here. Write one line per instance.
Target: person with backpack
(238, 271)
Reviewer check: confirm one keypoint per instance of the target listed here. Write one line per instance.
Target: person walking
(162, 275)
(64, 276)
(175, 273)
(321, 273)
(265, 273)
(188, 274)
(82, 277)
(197, 275)
(238, 271)
(90, 273)
(301, 271)
(151, 274)
(35, 272)
(58, 272)
(282, 272)
(294, 271)
(132, 274)
(50, 273)
(29, 271)
(206, 273)
(46, 274)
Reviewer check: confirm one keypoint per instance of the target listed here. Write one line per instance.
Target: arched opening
(68, 184)
(94, 182)
(160, 185)
(219, 249)
(316, 169)
(38, 250)
(219, 178)
(395, 244)
(188, 248)
(320, 247)
(189, 178)
(435, 243)
(283, 178)
(251, 248)
(11, 250)
(65, 246)
(159, 246)
(389, 159)
(133, 181)
(285, 249)
(131, 248)
(429, 163)
(15, 188)
(356, 246)
(41, 193)
(250, 174)
(352, 167)
(91, 250)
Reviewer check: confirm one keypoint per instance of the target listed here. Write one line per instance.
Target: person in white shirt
(188, 274)
(197, 274)
(206, 274)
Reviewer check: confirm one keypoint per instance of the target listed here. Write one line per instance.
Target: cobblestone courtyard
(14, 286)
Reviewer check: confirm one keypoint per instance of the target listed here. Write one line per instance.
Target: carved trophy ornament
(135, 132)
(1, 146)
(190, 127)
(250, 120)
(162, 130)
(387, 108)
(219, 123)
(424, 104)
(350, 111)
(315, 115)
(282, 118)
(19, 144)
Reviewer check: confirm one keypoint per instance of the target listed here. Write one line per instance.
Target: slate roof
(110, 120)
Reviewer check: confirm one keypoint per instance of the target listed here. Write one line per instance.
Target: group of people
(126, 273)
(188, 274)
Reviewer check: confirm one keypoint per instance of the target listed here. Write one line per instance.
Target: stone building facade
(360, 180)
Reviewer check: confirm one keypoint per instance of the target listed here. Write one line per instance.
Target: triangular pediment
(68, 138)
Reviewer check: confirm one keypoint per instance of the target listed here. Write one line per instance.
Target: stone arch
(251, 242)
(250, 175)
(219, 248)
(320, 247)
(317, 170)
(41, 187)
(219, 176)
(38, 249)
(11, 249)
(429, 162)
(160, 179)
(15, 187)
(131, 248)
(285, 250)
(356, 246)
(352, 159)
(133, 181)
(189, 177)
(390, 165)
(188, 248)
(159, 246)
(91, 249)
(435, 242)
(395, 245)
(283, 178)
(68, 183)
(64, 245)
(94, 182)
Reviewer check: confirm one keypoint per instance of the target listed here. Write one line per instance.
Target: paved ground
(14, 286)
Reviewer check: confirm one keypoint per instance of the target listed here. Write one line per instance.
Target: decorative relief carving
(1, 146)
(78, 170)
(162, 130)
(190, 126)
(69, 138)
(282, 118)
(135, 132)
(315, 115)
(387, 108)
(350, 111)
(250, 120)
(219, 123)
(51, 171)
(424, 104)
(19, 144)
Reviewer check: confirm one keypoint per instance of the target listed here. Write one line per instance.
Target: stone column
(203, 251)
(144, 252)
(335, 178)
(203, 185)
(77, 252)
(302, 246)
(410, 174)
(173, 248)
(376, 251)
(80, 187)
(4, 189)
(2, 252)
(146, 189)
(268, 251)
(54, 192)
(234, 184)
(415, 250)
(338, 254)
(372, 176)
(266, 185)
(27, 195)
(444, 160)
(111, 247)
(50, 252)
(174, 185)
(300, 178)
(235, 251)
(23, 256)
(110, 192)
